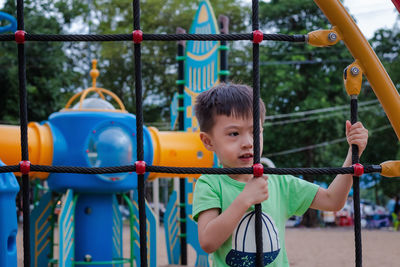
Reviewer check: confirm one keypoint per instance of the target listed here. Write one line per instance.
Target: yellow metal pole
(361, 50)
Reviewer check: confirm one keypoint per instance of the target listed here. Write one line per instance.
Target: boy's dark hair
(225, 99)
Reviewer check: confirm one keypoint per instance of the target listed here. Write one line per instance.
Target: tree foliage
(158, 58)
(294, 77)
(386, 44)
(49, 74)
(298, 78)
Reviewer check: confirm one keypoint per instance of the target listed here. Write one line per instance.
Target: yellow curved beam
(100, 92)
(362, 51)
(72, 99)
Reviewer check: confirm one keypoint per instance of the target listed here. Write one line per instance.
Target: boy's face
(231, 139)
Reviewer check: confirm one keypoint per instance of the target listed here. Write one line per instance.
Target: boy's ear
(206, 139)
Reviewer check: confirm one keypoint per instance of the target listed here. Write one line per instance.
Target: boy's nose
(247, 142)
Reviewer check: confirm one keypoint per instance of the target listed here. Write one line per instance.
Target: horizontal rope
(189, 170)
(150, 37)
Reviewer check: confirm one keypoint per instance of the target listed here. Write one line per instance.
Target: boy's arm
(214, 228)
(334, 198)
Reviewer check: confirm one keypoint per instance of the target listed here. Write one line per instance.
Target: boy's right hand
(256, 190)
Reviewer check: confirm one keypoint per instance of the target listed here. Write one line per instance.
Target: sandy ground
(319, 247)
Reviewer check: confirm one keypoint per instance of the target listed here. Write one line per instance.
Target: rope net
(140, 167)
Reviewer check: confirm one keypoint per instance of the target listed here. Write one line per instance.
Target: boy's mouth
(246, 156)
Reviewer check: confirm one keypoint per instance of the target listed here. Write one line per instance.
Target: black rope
(139, 125)
(182, 182)
(191, 170)
(139, 136)
(256, 135)
(356, 189)
(223, 54)
(23, 110)
(254, 17)
(152, 37)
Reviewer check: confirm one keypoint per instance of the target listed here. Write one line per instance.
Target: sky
(370, 14)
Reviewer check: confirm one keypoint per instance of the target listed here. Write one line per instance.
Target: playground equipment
(92, 133)
(8, 190)
(12, 27)
(199, 69)
(345, 30)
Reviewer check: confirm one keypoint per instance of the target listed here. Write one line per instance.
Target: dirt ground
(318, 247)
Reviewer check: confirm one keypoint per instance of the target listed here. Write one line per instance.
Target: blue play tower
(8, 226)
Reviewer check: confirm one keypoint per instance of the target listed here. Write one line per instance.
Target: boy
(224, 204)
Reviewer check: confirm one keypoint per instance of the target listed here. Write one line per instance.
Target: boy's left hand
(356, 134)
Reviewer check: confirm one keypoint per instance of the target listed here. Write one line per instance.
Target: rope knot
(140, 167)
(20, 37)
(137, 36)
(358, 169)
(258, 170)
(25, 166)
(258, 36)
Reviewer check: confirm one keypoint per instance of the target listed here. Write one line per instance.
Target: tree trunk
(310, 218)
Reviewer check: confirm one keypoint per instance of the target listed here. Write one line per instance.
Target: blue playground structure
(12, 27)
(91, 132)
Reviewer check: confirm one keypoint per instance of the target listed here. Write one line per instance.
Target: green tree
(49, 70)
(297, 78)
(159, 66)
(387, 46)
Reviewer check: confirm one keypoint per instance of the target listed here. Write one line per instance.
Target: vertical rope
(356, 188)
(139, 136)
(256, 134)
(181, 118)
(223, 52)
(23, 110)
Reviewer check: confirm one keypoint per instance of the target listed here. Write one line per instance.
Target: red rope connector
(258, 170)
(20, 37)
(258, 36)
(25, 166)
(137, 36)
(358, 169)
(140, 167)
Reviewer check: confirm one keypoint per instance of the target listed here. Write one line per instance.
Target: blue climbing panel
(40, 229)
(8, 219)
(117, 232)
(171, 227)
(67, 230)
(151, 235)
(202, 62)
(191, 226)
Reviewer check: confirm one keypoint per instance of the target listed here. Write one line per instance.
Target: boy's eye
(233, 134)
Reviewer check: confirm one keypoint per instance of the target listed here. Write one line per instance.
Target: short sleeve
(301, 194)
(205, 197)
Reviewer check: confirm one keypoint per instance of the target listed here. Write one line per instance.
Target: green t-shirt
(288, 196)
